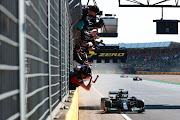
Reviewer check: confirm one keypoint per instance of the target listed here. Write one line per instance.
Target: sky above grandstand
(135, 25)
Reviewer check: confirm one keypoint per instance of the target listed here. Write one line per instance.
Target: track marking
(123, 115)
(126, 117)
(98, 92)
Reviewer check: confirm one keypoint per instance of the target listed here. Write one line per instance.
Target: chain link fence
(46, 56)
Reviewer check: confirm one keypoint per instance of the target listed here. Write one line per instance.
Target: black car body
(119, 101)
(137, 79)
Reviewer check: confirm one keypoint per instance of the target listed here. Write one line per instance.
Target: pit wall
(73, 113)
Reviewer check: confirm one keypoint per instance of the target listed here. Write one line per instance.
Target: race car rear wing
(113, 92)
(116, 92)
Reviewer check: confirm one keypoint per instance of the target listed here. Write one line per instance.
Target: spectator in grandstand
(153, 54)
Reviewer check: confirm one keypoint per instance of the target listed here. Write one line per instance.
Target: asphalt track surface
(162, 100)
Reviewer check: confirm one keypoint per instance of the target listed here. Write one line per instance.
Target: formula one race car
(137, 78)
(119, 101)
(123, 76)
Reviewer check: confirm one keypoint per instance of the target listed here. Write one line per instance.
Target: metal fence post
(65, 50)
(49, 51)
(22, 59)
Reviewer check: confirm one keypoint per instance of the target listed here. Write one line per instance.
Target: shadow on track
(162, 107)
(89, 108)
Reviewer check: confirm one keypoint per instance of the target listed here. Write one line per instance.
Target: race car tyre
(106, 110)
(132, 98)
(107, 103)
(119, 111)
(140, 104)
(140, 111)
(102, 102)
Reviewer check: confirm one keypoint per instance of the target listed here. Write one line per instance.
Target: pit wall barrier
(73, 113)
(161, 73)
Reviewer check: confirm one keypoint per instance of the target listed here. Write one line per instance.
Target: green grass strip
(158, 81)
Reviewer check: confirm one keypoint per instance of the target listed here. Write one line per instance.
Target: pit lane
(162, 100)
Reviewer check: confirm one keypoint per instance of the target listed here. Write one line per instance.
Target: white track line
(97, 91)
(123, 115)
(126, 117)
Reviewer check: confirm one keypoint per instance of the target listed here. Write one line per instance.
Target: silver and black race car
(123, 76)
(119, 101)
(137, 78)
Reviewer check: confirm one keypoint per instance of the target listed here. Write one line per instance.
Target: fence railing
(35, 57)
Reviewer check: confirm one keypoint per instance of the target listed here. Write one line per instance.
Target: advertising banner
(106, 55)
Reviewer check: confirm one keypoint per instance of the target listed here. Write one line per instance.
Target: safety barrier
(73, 113)
(159, 73)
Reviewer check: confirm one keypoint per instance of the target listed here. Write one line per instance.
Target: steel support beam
(175, 6)
(148, 4)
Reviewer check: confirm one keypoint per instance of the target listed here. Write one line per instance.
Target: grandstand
(150, 57)
(168, 44)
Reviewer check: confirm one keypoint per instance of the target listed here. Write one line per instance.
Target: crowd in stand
(154, 59)
(86, 36)
(153, 54)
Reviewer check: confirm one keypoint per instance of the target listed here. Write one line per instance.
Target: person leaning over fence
(79, 55)
(89, 36)
(77, 78)
(96, 43)
(88, 14)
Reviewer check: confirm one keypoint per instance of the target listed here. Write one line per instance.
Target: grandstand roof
(169, 44)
